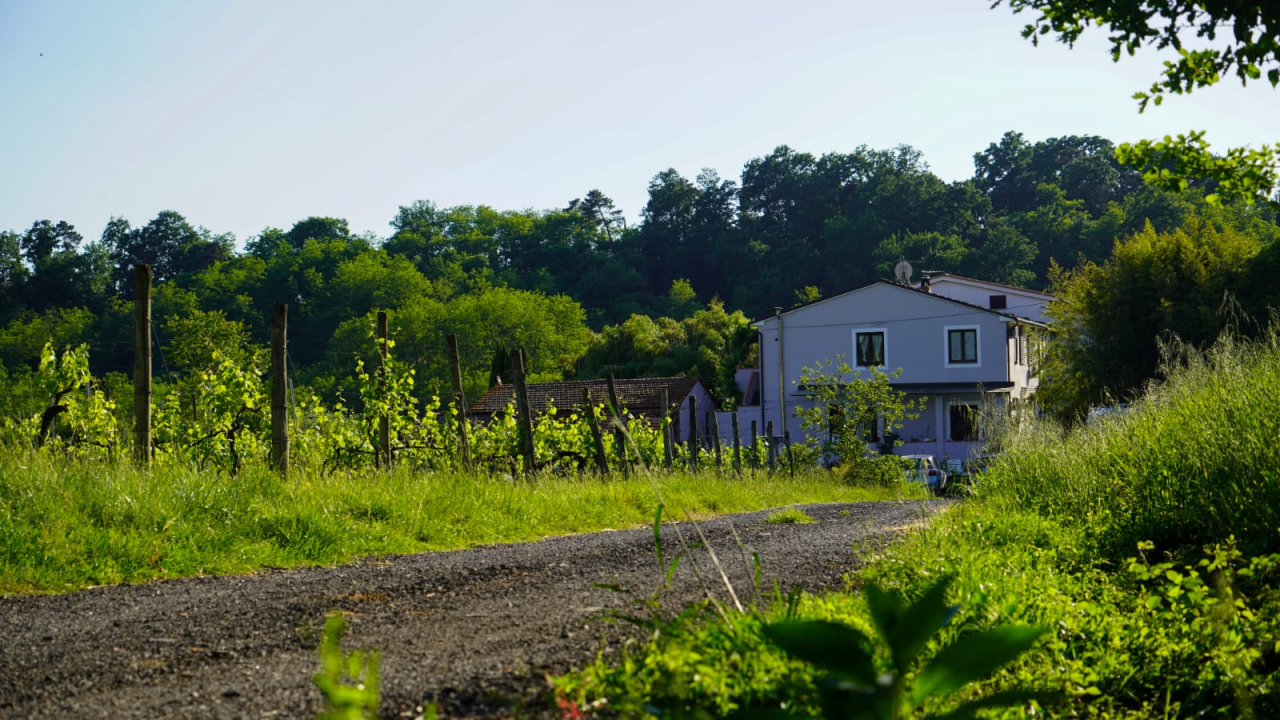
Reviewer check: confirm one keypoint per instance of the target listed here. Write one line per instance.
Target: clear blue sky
(243, 115)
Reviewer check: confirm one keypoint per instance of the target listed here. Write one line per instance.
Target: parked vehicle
(925, 469)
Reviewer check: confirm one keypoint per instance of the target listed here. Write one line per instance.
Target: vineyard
(227, 413)
(220, 419)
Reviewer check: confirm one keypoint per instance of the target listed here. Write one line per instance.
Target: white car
(925, 469)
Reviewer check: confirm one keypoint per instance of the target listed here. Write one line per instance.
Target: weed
(348, 681)
(789, 516)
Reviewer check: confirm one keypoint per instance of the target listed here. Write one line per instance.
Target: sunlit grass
(67, 524)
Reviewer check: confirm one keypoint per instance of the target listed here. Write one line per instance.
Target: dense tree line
(581, 289)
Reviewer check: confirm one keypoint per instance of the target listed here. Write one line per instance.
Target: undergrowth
(1146, 544)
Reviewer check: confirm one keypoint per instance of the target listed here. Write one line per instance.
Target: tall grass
(1193, 461)
(67, 523)
(1118, 536)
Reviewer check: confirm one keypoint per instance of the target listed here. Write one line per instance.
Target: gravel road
(474, 630)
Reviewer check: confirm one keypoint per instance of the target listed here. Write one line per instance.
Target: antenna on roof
(902, 271)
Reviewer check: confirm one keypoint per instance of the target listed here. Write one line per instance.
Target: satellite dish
(902, 271)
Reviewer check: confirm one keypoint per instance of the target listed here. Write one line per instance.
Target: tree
(1249, 51)
(846, 407)
(1110, 319)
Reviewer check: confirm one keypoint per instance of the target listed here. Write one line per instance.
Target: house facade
(957, 359)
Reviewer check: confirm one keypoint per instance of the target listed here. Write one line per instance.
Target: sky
(247, 115)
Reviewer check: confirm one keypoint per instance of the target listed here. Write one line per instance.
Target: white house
(956, 356)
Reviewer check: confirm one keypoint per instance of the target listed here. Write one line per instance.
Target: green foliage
(78, 417)
(789, 516)
(845, 407)
(1250, 51)
(1110, 320)
(347, 680)
(852, 687)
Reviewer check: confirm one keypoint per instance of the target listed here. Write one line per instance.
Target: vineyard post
(768, 446)
(524, 413)
(664, 407)
(279, 389)
(676, 424)
(142, 363)
(755, 442)
(693, 433)
(737, 447)
(384, 423)
(459, 400)
(597, 439)
(714, 427)
(620, 425)
(791, 460)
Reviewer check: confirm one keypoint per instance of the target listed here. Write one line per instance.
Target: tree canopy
(1212, 39)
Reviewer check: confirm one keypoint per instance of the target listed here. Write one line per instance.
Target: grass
(789, 516)
(67, 524)
(1147, 544)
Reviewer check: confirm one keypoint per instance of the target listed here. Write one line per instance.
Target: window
(869, 348)
(997, 302)
(962, 346)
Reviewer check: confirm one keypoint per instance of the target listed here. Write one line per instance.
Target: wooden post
(664, 416)
(737, 446)
(755, 443)
(714, 426)
(459, 400)
(524, 413)
(279, 388)
(383, 452)
(791, 459)
(597, 438)
(676, 432)
(142, 364)
(619, 426)
(773, 457)
(693, 433)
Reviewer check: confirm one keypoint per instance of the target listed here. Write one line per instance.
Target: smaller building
(639, 396)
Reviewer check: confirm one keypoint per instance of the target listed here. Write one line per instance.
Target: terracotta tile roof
(638, 395)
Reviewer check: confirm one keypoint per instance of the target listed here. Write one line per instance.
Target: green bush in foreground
(1146, 545)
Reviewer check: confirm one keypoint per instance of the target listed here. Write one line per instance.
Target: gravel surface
(475, 630)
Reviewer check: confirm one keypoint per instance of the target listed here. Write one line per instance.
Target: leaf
(973, 657)
(1007, 698)
(828, 645)
(918, 623)
(885, 608)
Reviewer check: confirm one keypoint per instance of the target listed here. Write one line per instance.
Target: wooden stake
(524, 414)
(755, 443)
(714, 425)
(668, 452)
(619, 427)
(737, 446)
(773, 457)
(279, 389)
(597, 438)
(142, 364)
(459, 400)
(693, 433)
(383, 454)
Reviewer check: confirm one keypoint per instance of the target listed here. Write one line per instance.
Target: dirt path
(475, 630)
